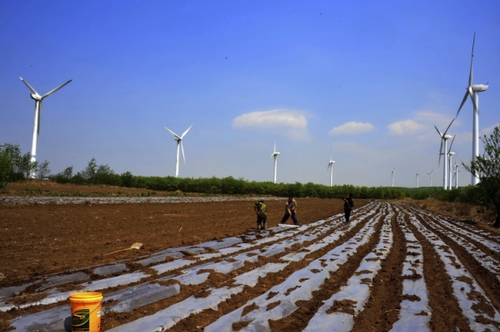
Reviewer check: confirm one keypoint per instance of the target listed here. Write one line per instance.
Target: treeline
(102, 174)
(12, 169)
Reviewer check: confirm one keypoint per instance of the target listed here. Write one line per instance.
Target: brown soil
(37, 240)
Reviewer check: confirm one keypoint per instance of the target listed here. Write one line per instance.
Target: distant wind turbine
(430, 175)
(180, 146)
(443, 150)
(416, 177)
(392, 176)
(473, 91)
(38, 113)
(330, 166)
(275, 155)
(456, 175)
(450, 163)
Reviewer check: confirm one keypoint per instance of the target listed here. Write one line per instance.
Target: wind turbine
(275, 155)
(456, 175)
(416, 177)
(330, 165)
(179, 147)
(38, 112)
(392, 175)
(473, 91)
(450, 163)
(444, 139)
(430, 175)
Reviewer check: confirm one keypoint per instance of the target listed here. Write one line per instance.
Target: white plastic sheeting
(357, 292)
(415, 314)
(465, 288)
(297, 287)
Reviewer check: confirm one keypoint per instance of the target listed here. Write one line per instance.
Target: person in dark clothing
(290, 210)
(348, 205)
(260, 209)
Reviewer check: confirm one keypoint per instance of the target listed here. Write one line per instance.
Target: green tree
(67, 173)
(43, 170)
(5, 169)
(487, 167)
(88, 173)
(21, 165)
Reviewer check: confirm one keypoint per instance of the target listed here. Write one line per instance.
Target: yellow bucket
(86, 311)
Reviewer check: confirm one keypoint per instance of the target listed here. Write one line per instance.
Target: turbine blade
(467, 92)
(39, 117)
(440, 152)
(183, 155)
(175, 135)
(453, 140)
(440, 135)
(29, 86)
(184, 133)
(54, 90)
(472, 60)
(449, 126)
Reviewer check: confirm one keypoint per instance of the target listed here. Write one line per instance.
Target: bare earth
(45, 240)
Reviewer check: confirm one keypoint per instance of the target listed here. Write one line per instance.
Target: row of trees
(14, 166)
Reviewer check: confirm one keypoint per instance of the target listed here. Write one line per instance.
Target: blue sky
(363, 80)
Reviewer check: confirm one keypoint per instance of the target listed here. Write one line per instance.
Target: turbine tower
(275, 155)
(416, 177)
(456, 175)
(392, 176)
(430, 175)
(450, 164)
(180, 146)
(473, 91)
(330, 166)
(38, 113)
(444, 144)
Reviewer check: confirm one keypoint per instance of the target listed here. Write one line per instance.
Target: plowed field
(205, 267)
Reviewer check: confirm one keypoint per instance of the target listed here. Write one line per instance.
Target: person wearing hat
(290, 211)
(260, 209)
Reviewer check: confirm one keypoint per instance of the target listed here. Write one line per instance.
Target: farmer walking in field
(348, 205)
(260, 209)
(290, 211)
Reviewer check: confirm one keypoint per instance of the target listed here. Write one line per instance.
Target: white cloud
(352, 128)
(422, 123)
(406, 127)
(293, 123)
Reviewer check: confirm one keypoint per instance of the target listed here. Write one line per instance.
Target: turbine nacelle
(36, 97)
(479, 87)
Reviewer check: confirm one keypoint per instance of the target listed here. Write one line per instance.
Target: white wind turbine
(456, 175)
(450, 163)
(180, 146)
(38, 113)
(473, 91)
(416, 177)
(275, 155)
(444, 144)
(330, 166)
(392, 176)
(430, 175)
